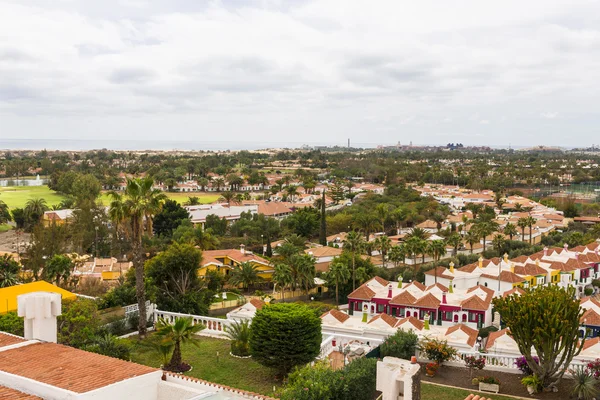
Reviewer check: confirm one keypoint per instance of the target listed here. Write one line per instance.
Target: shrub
(239, 333)
(488, 379)
(485, 332)
(401, 344)
(596, 283)
(473, 362)
(593, 368)
(110, 345)
(12, 323)
(588, 291)
(521, 364)
(283, 336)
(437, 350)
(356, 381)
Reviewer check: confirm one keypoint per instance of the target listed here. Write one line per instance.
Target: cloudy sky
(427, 71)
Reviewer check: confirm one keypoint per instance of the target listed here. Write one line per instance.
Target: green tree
(9, 271)
(180, 332)
(499, 242)
(544, 320)
(169, 218)
(5, 215)
(522, 223)
(402, 344)
(284, 336)
(18, 215)
(110, 345)
(174, 276)
(323, 230)
(245, 274)
(485, 228)
(282, 277)
(338, 273)
(397, 254)
(455, 240)
(383, 244)
(79, 322)
(86, 188)
(58, 268)
(510, 230)
(34, 211)
(11, 323)
(354, 244)
(186, 232)
(239, 333)
(303, 222)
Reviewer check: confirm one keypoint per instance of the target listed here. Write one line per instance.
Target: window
(447, 315)
(400, 312)
(485, 284)
(380, 308)
(358, 306)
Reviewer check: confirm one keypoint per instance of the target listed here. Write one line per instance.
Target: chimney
(242, 249)
(480, 262)
(566, 247)
(545, 251)
(512, 268)
(577, 256)
(537, 262)
(505, 257)
(444, 298)
(451, 267)
(40, 309)
(390, 291)
(450, 287)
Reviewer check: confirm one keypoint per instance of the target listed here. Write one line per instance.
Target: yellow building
(8, 295)
(57, 217)
(224, 261)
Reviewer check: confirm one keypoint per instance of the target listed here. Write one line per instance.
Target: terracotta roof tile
(591, 317)
(68, 368)
(324, 251)
(388, 319)
(471, 333)
(493, 336)
(418, 285)
(437, 285)
(380, 280)
(468, 268)
(209, 256)
(8, 339)
(556, 265)
(530, 269)
(418, 324)
(362, 293)
(428, 301)
(442, 272)
(490, 292)
(591, 342)
(337, 314)
(258, 304)
(404, 299)
(8, 393)
(505, 276)
(476, 303)
(516, 290)
(592, 299)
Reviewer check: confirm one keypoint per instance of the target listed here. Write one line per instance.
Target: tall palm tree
(383, 213)
(454, 240)
(522, 223)
(397, 254)
(399, 216)
(282, 276)
(35, 208)
(366, 223)
(510, 230)
(383, 244)
(180, 332)
(138, 201)
(354, 244)
(485, 228)
(4, 213)
(292, 192)
(339, 274)
(530, 222)
(228, 196)
(245, 274)
(498, 243)
(472, 237)
(218, 183)
(418, 233)
(305, 269)
(436, 249)
(416, 246)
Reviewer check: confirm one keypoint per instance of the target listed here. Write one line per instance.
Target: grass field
(434, 392)
(235, 372)
(5, 228)
(17, 196)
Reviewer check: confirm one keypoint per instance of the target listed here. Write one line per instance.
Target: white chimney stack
(242, 249)
(40, 309)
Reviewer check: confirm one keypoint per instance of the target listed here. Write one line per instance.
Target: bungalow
(223, 261)
(57, 217)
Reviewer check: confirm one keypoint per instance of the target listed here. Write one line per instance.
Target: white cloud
(308, 71)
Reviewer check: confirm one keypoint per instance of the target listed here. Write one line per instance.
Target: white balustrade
(215, 326)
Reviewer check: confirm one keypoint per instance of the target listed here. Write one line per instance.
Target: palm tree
(354, 243)
(239, 333)
(436, 249)
(4, 213)
(292, 192)
(366, 223)
(203, 183)
(475, 208)
(415, 246)
(138, 201)
(9, 271)
(339, 274)
(192, 201)
(218, 183)
(399, 217)
(304, 265)
(227, 196)
(296, 240)
(418, 233)
(498, 243)
(522, 223)
(454, 240)
(282, 276)
(180, 332)
(485, 228)
(510, 230)
(472, 237)
(383, 244)
(383, 212)
(530, 222)
(397, 254)
(438, 219)
(245, 274)
(286, 250)
(35, 208)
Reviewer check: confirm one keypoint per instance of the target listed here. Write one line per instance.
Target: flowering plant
(521, 363)
(593, 368)
(431, 368)
(473, 362)
(489, 380)
(437, 350)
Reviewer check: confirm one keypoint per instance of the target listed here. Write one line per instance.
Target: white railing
(133, 308)
(496, 362)
(326, 347)
(341, 341)
(215, 326)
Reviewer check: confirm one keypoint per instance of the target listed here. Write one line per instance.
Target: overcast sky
(478, 72)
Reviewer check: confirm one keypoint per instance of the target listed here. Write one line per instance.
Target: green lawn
(178, 197)
(230, 297)
(17, 196)
(435, 392)
(235, 372)
(5, 228)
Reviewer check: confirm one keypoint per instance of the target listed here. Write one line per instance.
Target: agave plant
(584, 385)
(239, 333)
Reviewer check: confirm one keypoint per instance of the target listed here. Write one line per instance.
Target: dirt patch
(509, 383)
(8, 241)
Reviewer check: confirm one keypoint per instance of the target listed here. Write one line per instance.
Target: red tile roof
(493, 336)
(517, 290)
(362, 293)
(419, 285)
(404, 299)
(428, 301)
(441, 273)
(11, 394)
(471, 333)
(468, 268)
(530, 269)
(380, 280)
(388, 319)
(437, 285)
(505, 276)
(490, 292)
(337, 314)
(591, 342)
(68, 368)
(475, 303)
(591, 317)
(258, 304)
(418, 324)
(7, 339)
(210, 256)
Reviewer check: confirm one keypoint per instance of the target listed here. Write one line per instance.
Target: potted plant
(431, 368)
(475, 381)
(532, 382)
(489, 384)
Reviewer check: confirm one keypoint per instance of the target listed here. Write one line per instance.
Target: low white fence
(495, 362)
(334, 341)
(214, 326)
